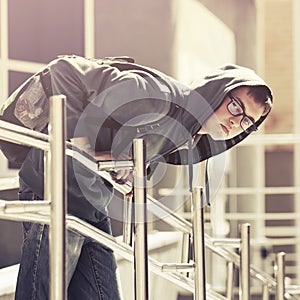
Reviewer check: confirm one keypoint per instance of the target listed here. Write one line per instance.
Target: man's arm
(120, 176)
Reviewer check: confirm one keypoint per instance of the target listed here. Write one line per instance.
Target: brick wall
(279, 63)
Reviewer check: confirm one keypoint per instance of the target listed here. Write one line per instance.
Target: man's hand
(123, 175)
(119, 176)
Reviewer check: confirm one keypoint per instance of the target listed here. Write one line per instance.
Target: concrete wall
(139, 28)
(279, 63)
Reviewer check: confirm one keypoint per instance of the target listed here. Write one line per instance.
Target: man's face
(223, 124)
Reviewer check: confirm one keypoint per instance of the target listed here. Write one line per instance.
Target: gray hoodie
(111, 101)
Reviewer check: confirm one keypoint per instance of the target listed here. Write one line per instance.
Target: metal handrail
(24, 136)
(271, 139)
(185, 226)
(14, 210)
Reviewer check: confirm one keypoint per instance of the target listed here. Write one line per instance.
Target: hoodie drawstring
(207, 195)
(191, 171)
(190, 162)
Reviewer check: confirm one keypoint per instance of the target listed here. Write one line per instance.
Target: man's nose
(235, 121)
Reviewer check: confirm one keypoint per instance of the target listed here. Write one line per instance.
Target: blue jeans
(91, 267)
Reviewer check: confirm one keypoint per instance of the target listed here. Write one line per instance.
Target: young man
(110, 102)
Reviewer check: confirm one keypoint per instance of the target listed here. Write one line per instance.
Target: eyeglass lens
(236, 110)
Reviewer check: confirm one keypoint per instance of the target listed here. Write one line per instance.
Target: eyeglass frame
(250, 128)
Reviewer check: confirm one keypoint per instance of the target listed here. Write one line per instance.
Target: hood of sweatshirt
(212, 91)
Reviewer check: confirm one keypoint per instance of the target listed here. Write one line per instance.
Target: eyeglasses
(236, 109)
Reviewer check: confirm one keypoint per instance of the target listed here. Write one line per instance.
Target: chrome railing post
(245, 262)
(127, 220)
(280, 275)
(229, 280)
(57, 229)
(140, 221)
(265, 292)
(185, 249)
(199, 243)
(47, 175)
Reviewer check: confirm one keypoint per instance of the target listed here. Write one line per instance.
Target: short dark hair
(261, 95)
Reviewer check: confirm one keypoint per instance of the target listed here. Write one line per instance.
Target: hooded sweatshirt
(213, 89)
(113, 101)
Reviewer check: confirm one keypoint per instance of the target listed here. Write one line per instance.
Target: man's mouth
(225, 129)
